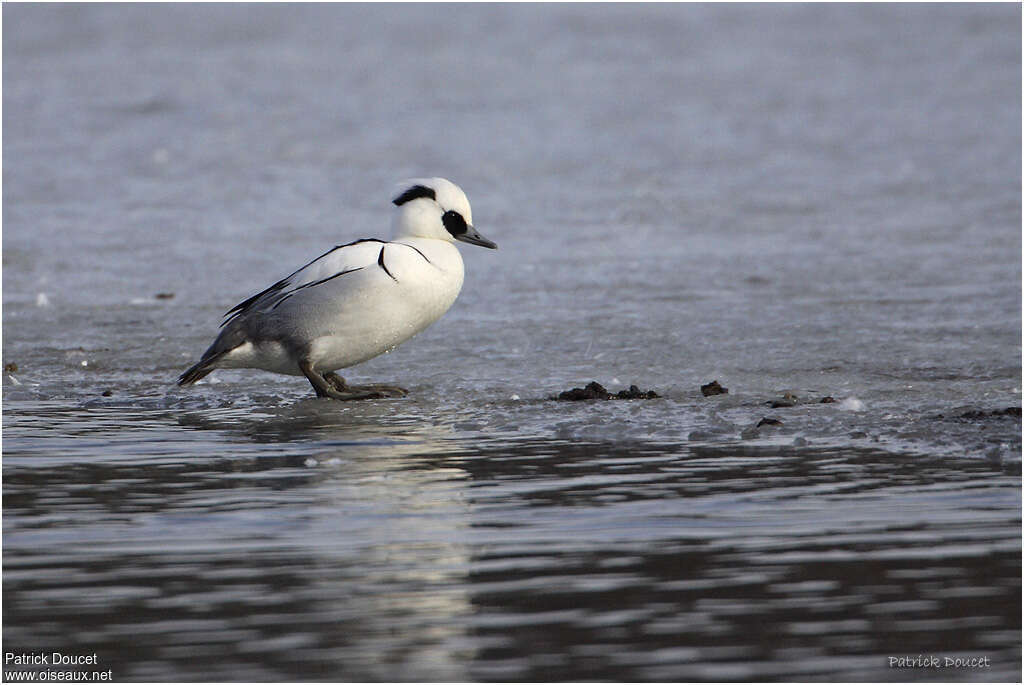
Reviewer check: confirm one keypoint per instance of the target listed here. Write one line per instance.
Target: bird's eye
(454, 222)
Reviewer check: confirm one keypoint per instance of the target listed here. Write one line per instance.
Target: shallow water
(817, 200)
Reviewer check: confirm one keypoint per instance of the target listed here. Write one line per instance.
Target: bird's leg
(325, 388)
(339, 384)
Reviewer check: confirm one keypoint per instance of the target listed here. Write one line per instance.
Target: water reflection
(233, 566)
(303, 543)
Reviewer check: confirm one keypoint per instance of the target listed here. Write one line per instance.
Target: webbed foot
(337, 388)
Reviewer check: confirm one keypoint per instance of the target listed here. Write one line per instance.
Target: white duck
(356, 301)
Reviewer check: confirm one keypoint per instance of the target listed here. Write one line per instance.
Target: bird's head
(436, 208)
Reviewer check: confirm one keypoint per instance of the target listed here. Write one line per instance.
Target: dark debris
(975, 414)
(713, 388)
(787, 400)
(635, 393)
(596, 391)
(791, 400)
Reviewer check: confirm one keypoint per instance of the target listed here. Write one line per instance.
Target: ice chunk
(851, 404)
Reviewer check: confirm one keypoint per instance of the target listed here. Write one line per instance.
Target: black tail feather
(195, 373)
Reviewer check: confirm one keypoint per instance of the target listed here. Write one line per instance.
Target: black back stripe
(340, 247)
(282, 300)
(414, 193)
(418, 252)
(244, 305)
(380, 263)
(356, 242)
(334, 249)
(315, 283)
(324, 280)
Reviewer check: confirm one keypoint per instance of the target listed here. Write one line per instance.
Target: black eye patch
(454, 222)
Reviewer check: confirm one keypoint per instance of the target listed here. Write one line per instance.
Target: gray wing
(248, 319)
(337, 261)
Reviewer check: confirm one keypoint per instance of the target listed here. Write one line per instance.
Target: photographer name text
(49, 659)
(935, 661)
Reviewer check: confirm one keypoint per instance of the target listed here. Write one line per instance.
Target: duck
(356, 301)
